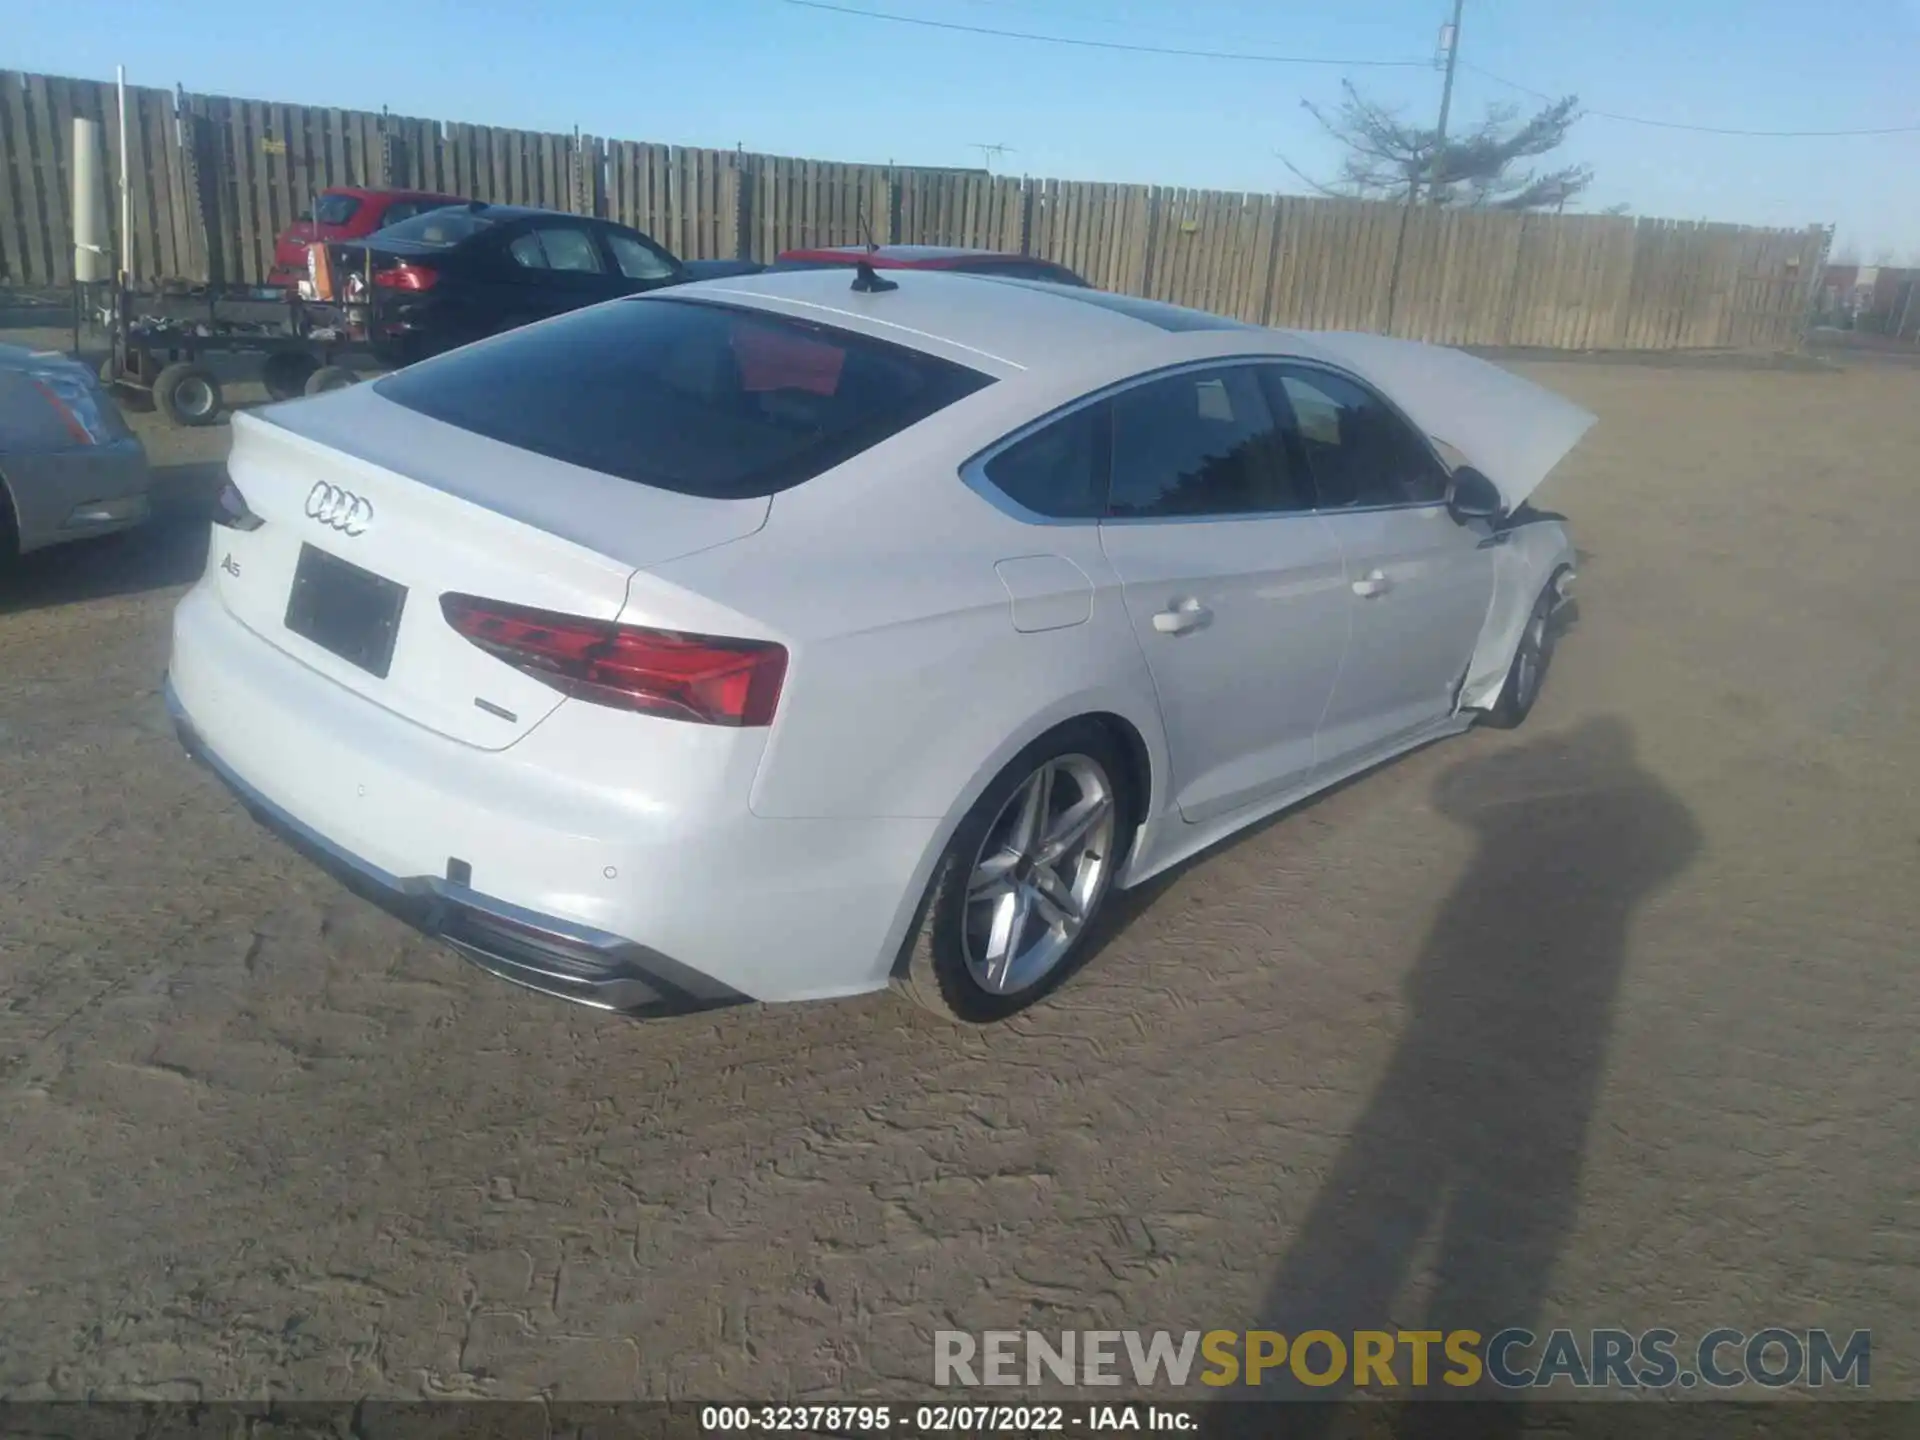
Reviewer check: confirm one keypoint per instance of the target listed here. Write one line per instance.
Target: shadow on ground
(1464, 1170)
(169, 550)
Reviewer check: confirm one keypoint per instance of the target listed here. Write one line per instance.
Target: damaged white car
(782, 638)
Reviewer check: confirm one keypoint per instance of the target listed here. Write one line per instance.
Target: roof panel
(1014, 324)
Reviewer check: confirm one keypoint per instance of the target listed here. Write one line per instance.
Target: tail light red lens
(230, 509)
(406, 276)
(701, 678)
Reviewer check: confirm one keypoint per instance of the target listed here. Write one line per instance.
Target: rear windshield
(441, 227)
(687, 396)
(336, 209)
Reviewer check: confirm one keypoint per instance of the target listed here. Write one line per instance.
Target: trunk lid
(353, 264)
(359, 257)
(430, 509)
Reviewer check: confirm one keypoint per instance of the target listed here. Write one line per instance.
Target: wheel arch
(1524, 566)
(1140, 741)
(1141, 775)
(1138, 734)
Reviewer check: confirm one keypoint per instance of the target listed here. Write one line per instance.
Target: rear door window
(1201, 442)
(686, 396)
(526, 252)
(557, 247)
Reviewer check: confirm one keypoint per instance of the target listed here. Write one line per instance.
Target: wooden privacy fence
(215, 179)
(36, 187)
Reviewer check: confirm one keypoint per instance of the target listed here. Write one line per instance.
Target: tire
(9, 531)
(187, 394)
(1527, 676)
(330, 377)
(955, 968)
(286, 372)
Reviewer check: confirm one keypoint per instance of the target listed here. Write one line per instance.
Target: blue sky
(778, 77)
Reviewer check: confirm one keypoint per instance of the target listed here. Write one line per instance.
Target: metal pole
(1446, 105)
(126, 191)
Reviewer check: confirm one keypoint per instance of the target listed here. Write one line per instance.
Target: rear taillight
(406, 276)
(702, 678)
(230, 509)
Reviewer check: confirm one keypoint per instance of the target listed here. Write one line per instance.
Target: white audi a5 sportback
(780, 638)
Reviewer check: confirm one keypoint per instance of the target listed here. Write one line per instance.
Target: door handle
(1375, 584)
(1184, 615)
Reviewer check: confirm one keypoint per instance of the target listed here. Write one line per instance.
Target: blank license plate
(352, 612)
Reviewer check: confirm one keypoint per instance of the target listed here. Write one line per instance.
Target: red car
(931, 257)
(346, 213)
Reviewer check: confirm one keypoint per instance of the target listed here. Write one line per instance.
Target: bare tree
(1388, 158)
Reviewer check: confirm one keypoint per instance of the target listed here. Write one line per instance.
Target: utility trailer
(161, 343)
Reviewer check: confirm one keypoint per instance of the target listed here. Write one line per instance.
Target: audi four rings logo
(345, 511)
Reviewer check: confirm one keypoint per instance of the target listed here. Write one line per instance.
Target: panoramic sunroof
(1150, 312)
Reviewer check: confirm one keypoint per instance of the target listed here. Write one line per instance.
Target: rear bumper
(600, 857)
(540, 952)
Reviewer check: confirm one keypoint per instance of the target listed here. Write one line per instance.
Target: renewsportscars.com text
(1513, 1359)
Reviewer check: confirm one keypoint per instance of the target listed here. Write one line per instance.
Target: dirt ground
(1609, 1021)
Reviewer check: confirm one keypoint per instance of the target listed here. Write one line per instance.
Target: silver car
(69, 466)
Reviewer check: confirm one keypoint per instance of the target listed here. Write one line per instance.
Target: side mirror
(1472, 496)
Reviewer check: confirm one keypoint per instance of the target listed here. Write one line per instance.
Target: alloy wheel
(1039, 874)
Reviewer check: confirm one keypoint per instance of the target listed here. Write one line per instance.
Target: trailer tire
(187, 394)
(286, 372)
(330, 377)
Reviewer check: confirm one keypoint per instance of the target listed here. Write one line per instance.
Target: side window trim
(1283, 404)
(973, 471)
